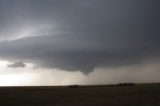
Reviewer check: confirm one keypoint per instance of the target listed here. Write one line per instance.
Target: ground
(139, 95)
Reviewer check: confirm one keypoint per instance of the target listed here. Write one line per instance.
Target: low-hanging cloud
(73, 53)
(17, 65)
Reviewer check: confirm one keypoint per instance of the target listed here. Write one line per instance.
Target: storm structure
(60, 42)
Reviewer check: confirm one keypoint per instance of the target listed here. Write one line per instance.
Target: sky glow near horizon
(146, 73)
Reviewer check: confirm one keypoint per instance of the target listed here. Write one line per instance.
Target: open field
(139, 95)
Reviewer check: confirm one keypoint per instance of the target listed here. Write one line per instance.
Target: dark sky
(79, 35)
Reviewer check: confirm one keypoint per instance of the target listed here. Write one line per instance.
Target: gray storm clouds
(17, 65)
(80, 34)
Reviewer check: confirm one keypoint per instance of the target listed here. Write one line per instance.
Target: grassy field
(139, 95)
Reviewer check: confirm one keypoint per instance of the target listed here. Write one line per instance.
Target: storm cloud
(17, 65)
(80, 35)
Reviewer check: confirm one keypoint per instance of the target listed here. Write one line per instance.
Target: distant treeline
(126, 84)
(99, 86)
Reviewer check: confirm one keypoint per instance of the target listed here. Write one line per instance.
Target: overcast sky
(81, 41)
